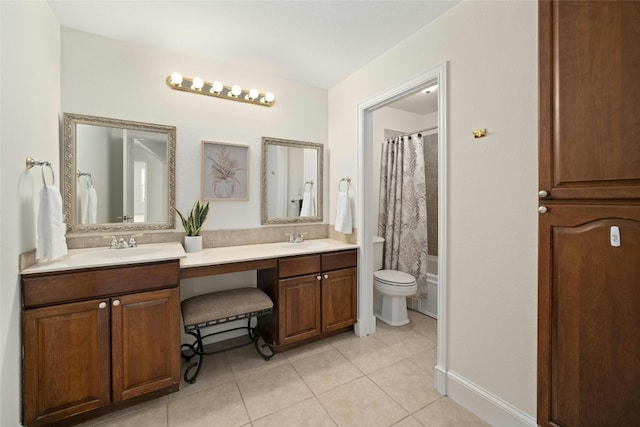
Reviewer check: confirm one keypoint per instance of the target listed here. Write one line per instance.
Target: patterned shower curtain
(402, 217)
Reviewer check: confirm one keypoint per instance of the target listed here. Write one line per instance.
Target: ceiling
(314, 42)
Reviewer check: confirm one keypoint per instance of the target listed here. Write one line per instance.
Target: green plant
(195, 220)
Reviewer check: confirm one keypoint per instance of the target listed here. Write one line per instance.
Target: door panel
(589, 316)
(339, 292)
(299, 308)
(589, 99)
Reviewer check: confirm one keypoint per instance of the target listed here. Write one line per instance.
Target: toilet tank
(378, 247)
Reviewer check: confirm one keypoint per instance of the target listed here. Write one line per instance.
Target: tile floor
(381, 380)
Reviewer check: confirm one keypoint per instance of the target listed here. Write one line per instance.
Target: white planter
(192, 243)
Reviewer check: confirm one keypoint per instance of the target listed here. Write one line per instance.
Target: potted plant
(193, 225)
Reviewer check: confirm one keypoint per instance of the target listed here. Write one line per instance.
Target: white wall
(30, 86)
(109, 78)
(491, 52)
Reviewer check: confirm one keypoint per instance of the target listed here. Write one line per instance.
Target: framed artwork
(225, 171)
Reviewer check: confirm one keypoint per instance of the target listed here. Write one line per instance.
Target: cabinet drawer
(85, 284)
(298, 266)
(339, 260)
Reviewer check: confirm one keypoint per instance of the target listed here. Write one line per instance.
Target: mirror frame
(266, 141)
(69, 173)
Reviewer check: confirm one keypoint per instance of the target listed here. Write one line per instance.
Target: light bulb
(176, 78)
(216, 87)
(253, 94)
(197, 83)
(235, 91)
(269, 97)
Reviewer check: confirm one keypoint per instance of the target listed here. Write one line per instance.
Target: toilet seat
(394, 278)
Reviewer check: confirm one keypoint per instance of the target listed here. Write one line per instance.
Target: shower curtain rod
(418, 132)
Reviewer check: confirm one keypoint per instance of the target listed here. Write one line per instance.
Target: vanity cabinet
(314, 296)
(95, 340)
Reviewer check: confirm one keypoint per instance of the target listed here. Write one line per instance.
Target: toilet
(394, 287)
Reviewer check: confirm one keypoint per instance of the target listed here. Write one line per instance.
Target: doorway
(367, 217)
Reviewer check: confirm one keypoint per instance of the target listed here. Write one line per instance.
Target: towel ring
(310, 183)
(31, 163)
(347, 180)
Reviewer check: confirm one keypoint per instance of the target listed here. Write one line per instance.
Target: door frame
(366, 320)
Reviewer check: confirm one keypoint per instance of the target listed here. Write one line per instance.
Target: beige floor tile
(128, 412)
(326, 370)
(308, 350)
(154, 416)
(270, 391)
(370, 354)
(342, 339)
(408, 422)
(361, 403)
(246, 361)
(308, 413)
(446, 413)
(408, 384)
(220, 406)
(426, 360)
(215, 370)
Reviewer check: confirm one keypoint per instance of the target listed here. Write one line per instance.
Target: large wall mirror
(118, 175)
(291, 181)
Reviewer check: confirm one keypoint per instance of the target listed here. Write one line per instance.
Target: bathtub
(428, 306)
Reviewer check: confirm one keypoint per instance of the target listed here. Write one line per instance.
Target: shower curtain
(402, 217)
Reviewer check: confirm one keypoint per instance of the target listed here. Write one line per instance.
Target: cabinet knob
(542, 194)
(318, 277)
(543, 209)
(326, 276)
(116, 302)
(102, 305)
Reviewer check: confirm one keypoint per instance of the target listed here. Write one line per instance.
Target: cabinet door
(66, 366)
(589, 316)
(589, 99)
(145, 342)
(298, 308)
(339, 294)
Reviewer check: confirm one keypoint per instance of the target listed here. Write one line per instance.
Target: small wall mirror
(118, 175)
(291, 181)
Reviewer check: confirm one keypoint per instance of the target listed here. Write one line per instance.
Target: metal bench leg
(197, 348)
(254, 334)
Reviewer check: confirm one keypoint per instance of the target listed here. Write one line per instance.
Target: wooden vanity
(102, 336)
(98, 339)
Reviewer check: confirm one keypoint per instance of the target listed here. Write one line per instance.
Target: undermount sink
(309, 244)
(127, 253)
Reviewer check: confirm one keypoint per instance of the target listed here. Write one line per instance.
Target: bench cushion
(223, 304)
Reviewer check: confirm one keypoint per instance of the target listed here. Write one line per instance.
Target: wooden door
(589, 316)
(339, 297)
(66, 366)
(589, 99)
(298, 308)
(145, 342)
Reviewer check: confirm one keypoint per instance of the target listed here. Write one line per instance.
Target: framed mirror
(291, 181)
(118, 175)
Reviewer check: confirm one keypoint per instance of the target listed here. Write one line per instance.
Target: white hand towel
(343, 213)
(307, 204)
(51, 230)
(83, 205)
(92, 206)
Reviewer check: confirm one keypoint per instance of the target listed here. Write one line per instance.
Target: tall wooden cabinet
(96, 339)
(589, 227)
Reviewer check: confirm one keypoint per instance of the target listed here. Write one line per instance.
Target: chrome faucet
(121, 243)
(299, 238)
(132, 241)
(114, 243)
(291, 238)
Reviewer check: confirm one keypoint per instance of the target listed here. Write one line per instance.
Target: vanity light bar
(177, 81)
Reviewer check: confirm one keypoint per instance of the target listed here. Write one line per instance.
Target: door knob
(542, 194)
(318, 277)
(326, 276)
(102, 304)
(116, 302)
(543, 209)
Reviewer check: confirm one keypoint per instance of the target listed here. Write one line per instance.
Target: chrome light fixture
(177, 81)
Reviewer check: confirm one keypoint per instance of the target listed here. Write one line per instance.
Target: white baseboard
(486, 405)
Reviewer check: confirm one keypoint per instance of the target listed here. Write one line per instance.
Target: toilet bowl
(394, 287)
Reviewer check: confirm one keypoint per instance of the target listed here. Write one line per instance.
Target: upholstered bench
(216, 308)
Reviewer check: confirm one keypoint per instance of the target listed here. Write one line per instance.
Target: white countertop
(104, 257)
(151, 252)
(231, 254)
